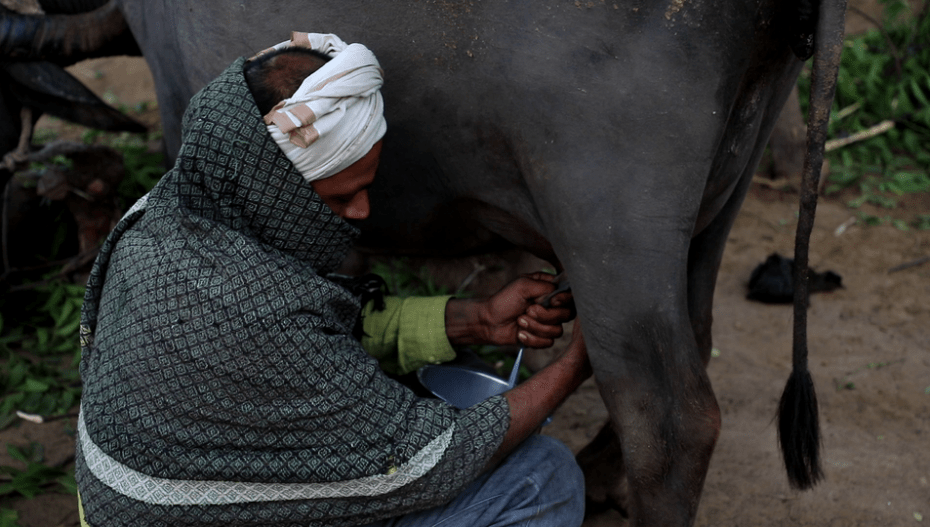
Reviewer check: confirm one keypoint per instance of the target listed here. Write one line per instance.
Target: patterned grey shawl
(222, 385)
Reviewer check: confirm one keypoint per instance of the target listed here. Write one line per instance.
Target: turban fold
(336, 115)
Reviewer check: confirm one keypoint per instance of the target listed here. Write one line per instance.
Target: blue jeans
(538, 485)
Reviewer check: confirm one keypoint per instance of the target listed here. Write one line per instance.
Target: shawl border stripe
(162, 491)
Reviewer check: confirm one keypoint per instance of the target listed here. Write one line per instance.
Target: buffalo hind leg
(664, 410)
(606, 485)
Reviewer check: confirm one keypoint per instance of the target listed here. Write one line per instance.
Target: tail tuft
(799, 430)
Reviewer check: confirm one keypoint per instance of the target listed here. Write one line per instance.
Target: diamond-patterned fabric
(215, 351)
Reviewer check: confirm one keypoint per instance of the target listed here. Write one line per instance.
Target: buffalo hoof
(606, 484)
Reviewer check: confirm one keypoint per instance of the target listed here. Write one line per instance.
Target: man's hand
(515, 317)
(511, 316)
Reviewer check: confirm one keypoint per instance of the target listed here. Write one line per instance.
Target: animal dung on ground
(772, 281)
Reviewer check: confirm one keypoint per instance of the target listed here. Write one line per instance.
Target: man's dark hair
(276, 75)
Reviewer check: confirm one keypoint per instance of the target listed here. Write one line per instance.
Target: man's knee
(554, 453)
(553, 469)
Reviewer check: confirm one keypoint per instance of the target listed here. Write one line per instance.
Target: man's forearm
(534, 400)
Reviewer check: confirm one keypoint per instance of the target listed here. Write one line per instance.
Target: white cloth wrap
(336, 115)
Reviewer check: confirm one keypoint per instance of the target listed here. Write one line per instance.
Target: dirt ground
(870, 358)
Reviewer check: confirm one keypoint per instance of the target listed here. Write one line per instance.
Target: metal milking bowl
(460, 386)
(463, 387)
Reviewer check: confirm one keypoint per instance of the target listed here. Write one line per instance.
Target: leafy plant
(40, 351)
(36, 477)
(143, 170)
(403, 281)
(872, 220)
(9, 518)
(884, 76)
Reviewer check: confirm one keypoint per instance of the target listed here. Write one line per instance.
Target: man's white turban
(336, 115)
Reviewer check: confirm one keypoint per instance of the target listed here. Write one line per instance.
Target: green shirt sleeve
(407, 334)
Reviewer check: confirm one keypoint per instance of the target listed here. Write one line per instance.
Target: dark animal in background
(33, 80)
(772, 281)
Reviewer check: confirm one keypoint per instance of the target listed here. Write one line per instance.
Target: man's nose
(359, 207)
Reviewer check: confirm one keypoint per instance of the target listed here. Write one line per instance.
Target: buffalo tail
(798, 423)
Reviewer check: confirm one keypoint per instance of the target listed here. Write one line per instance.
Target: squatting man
(224, 383)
